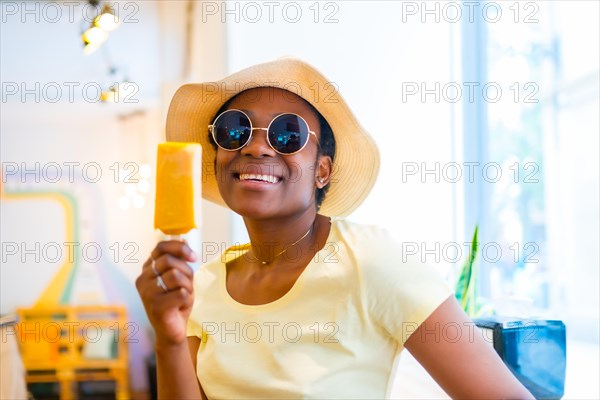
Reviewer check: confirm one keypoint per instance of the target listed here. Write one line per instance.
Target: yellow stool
(70, 344)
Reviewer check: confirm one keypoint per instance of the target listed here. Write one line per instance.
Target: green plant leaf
(466, 279)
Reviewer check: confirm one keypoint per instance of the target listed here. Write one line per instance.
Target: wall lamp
(96, 34)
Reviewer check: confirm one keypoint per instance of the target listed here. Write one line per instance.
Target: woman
(313, 307)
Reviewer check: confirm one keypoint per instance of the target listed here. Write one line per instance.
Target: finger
(148, 287)
(175, 279)
(179, 298)
(149, 269)
(147, 264)
(167, 262)
(175, 248)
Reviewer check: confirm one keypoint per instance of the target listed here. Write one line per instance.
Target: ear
(323, 171)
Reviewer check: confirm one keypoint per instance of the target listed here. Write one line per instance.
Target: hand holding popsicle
(168, 309)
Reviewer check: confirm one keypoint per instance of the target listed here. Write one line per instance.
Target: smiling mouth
(257, 178)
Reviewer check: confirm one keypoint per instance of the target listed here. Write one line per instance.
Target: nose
(258, 146)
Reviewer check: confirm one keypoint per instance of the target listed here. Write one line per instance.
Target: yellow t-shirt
(335, 334)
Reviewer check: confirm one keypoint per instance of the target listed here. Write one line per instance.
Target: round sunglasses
(286, 134)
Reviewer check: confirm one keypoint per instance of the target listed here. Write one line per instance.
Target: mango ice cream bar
(178, 187)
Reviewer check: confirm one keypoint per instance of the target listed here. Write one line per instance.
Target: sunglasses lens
(288, 133)
(232, 130)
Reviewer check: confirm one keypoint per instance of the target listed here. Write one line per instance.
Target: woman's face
(296, 175)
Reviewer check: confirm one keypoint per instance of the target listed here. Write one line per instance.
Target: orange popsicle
(178, 187)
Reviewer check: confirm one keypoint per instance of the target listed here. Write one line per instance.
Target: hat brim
(356, 163)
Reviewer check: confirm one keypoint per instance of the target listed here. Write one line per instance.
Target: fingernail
(193, 256)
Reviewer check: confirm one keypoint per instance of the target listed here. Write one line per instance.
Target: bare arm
(194, 344)
(462, 363)
(176, 372)
(168, 309)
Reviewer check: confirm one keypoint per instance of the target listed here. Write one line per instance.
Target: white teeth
(265, 178)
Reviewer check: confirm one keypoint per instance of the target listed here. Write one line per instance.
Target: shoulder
(351, 229)
(398, 290)
(362, 237)
(371, 246)
(389, 274)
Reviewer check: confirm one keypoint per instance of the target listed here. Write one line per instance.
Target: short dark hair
(326, 142)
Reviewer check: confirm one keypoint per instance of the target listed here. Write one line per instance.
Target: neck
(271, 237)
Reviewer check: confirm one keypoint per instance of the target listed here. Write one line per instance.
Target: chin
(251, 213)
(264, 211)
(251, 209)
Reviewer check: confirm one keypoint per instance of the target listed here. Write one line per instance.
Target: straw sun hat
(356, 162)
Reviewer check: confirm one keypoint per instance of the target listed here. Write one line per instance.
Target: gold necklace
(285, 249)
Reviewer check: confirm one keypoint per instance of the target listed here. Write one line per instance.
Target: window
(536, 141)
